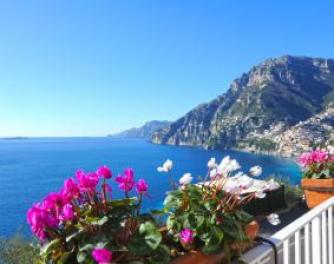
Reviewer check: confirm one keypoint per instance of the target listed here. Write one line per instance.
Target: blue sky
(89, 68)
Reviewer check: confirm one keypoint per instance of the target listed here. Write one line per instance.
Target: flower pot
(196, 257)
(317, 191)
(252, 230)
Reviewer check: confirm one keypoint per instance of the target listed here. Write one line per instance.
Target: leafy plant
(208, 217)
(82, 224)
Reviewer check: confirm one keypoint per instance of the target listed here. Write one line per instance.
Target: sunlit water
(31, 168)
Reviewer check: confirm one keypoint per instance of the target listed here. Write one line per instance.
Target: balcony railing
(307, 240)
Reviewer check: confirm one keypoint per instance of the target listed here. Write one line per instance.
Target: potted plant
(82, 224)
(318, 176)
(206, 220)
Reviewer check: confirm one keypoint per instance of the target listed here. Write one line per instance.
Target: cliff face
(275, 95)
(146, 131)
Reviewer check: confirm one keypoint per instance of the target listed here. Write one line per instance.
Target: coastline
(257, 152)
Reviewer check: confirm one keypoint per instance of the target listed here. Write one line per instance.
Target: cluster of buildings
(307, 135)
(302, 137)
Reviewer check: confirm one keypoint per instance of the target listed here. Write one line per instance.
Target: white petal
(168, 165)
(186, 179)
(260, 194)
(255, 171)
(160, 169)
(213, 173)
(232, 186)
(245, 182)
(212, 163)
(272, 185)
(273, 219)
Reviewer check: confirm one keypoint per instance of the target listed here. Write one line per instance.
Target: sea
(31, 168)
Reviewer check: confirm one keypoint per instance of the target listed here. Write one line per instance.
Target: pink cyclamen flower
(141, 186)
(187, 236)
(67, 213)
(319, 156)
(316, 156)
(104, 172)
(39, 219)
(102, 255)
(35, 220)
(305, 159)
(126, 181)
(70, 190)
(53, 201)
(87, 182)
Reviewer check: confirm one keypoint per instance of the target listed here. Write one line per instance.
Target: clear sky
(89, 68)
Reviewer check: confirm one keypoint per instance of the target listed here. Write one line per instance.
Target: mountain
(146, 131)
(273, 96)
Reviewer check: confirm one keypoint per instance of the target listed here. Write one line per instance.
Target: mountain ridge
(279, 91)
(146, 131)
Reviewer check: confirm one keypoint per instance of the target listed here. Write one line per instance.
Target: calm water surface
(31, 168)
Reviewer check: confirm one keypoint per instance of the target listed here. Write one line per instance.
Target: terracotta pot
(317, 191)
(196, 257)
(252, 230)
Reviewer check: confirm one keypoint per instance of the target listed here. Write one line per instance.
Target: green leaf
(218, 233)
(100, 221)
(74, 235)
(122, 202)
(151, 234)
(243, 216)
(50, 246)
(161, 255)
(86, 247)
(146, 240)
(67, 257)
(158, 212)
(200, 220)
(81, 257)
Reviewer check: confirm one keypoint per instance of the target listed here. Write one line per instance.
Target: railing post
(330, 235)
(286, 254)
(324, 236)
(316, 241)
(307, 243)
(297, 248)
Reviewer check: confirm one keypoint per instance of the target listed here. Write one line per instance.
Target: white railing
(307, 240)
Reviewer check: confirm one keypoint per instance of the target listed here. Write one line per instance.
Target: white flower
(213, 173)
(232, 186)
(273, 219)
(227, 165)
(166, 167)
(260, 194)
(245, 182)
(212, 163)
(330, 150)
(238, 174)
(255, 171)
(272, 185)
(186, 179)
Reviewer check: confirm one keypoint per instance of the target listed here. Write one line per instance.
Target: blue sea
(30, 168)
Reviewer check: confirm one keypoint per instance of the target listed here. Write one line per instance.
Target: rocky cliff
(272, 97)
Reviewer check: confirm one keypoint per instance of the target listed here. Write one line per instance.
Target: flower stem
(104, 190)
